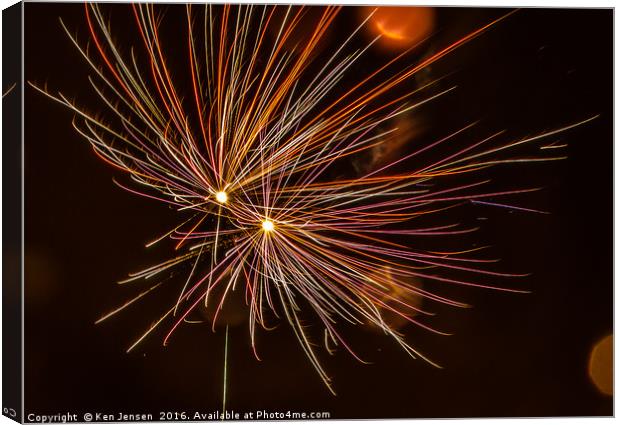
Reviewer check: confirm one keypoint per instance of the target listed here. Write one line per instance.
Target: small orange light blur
(399, 27)
(601, 365)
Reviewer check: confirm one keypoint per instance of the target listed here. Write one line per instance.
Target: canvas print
(306, 212)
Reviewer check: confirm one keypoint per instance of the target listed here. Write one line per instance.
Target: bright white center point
(268, 225)
(221, 197)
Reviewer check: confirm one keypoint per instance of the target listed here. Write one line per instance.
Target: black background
(510, 355)
(12, 217)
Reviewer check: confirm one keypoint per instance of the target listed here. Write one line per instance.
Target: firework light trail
(250, 152)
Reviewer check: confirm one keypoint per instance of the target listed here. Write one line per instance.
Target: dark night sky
(510, 355)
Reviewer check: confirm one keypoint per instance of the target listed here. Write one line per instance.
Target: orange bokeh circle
(601, 363)
(399, 27)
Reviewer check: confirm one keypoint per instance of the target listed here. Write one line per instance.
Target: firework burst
(251, 154)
